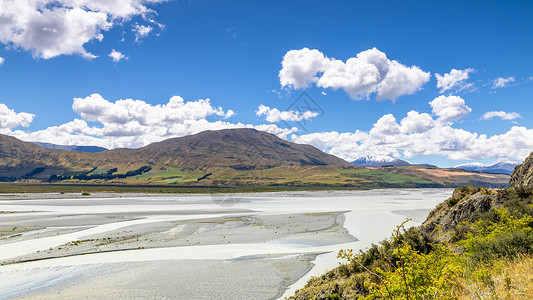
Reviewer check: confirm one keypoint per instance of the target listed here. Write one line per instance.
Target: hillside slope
(478, 244)
(18, 155)
(236, 148)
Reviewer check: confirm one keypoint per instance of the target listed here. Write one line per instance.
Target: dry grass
(449, 173)
(510, 280)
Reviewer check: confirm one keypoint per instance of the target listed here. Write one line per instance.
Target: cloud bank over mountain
(135, 123)
(129, 123)
(419, 134)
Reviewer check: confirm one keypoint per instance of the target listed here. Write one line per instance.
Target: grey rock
(522, 176)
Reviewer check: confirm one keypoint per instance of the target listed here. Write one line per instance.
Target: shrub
(508, 236)
(406, 268)
(85, 193)
(522, 192)
(452, 202)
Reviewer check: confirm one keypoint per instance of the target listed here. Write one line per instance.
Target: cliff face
(522, 176)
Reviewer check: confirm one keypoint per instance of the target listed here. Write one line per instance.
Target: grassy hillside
(476, 245)
(329, 176)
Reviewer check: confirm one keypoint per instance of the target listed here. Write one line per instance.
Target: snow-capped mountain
(504, 167)
(380, 161)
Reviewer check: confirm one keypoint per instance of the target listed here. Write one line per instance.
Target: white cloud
(9, 119)
(141, 31)
(135, 123)
(501, 114)
(449, 108)
(418, 134)
(97, 109)
(2, 60)
(49, 28)
(416, 122)
(386, 126)
(441, 139)
(368, 72)
(274, 115)
(501, 82)
(454, 79)
(117, 56)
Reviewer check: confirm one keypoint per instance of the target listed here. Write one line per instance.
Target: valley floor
(239, 246)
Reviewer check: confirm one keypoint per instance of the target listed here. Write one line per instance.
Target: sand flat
(259, 245)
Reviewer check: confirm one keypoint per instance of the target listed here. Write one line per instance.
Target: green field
(384, 177)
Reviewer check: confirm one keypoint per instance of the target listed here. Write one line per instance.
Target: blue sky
(231, 52)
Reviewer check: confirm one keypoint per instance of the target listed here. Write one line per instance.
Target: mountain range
(384, 161)
(230, 156)
(91, 149)
(495, 168)
(238, 149)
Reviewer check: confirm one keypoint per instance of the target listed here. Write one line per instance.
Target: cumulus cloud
(501, 82)
(418, 134)
(117, 56)
(274, 115)
(49, 28)
(97, 109)
(141, 31)
(449, 108)
(501, 114)
(135, 123)
(454, 79)
(416, 122)
(367, 73)
(9, 119)
(2, 60)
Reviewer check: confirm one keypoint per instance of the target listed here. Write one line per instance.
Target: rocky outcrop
(522, 176)
(466, 204)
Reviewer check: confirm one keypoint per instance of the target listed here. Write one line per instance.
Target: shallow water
(370, 217)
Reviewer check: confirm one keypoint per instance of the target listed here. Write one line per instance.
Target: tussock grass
(511, 279)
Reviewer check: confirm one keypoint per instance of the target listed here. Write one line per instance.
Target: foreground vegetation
(488, 256)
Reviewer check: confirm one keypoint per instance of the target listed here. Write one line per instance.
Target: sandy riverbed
(254, 246)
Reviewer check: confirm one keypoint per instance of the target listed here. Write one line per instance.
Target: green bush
(452, 202)
(333, 296)
(506, 237)
(85, 193)
(408, 267)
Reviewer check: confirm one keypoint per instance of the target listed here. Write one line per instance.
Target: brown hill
(16, 155)
(235, 148)
(240, 149)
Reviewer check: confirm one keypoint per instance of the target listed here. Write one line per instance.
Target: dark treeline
(34, 172)
(7, 178)
(106, 176)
